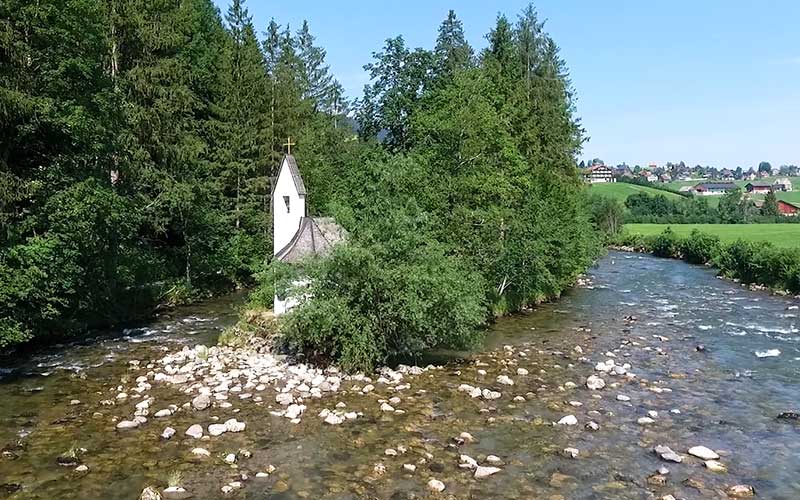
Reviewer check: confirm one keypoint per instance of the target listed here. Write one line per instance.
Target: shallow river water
(690, 339)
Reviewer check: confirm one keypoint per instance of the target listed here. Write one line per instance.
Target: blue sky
(715, 82)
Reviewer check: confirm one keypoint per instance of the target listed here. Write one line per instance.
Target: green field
(782, 235)
(621, 190)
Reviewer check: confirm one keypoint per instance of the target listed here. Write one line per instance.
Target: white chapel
(295, 234)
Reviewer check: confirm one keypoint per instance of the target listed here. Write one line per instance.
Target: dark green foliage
(770, 208)
(699, 248)
(666, 244)
(607, 214)
(137, 140)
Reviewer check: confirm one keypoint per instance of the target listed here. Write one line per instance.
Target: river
(690, 339)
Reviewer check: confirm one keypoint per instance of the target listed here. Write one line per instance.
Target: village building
(714, 188)
(297, 236)
(758, 188)
(788, 209)
(782, 184)
(597, 174)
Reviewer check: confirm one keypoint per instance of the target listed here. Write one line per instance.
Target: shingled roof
(316, 236)
(298, 181)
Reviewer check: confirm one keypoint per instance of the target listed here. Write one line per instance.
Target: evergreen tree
(770, 208)
(453, 52)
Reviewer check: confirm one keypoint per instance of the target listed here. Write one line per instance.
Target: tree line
(137, 142)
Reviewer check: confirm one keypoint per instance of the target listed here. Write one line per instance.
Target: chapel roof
(298, 180)
(316, 236)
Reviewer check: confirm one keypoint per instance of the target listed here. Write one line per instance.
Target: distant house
(598, 174)
(758, 188)
(750, 175)
(788, 209)
(782, 184)
(714, 188)
(727, 174)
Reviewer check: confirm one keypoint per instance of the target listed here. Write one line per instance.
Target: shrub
(699, 248)
(371, 304)
(666, 244)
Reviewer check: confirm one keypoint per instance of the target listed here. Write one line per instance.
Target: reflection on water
(691, 339)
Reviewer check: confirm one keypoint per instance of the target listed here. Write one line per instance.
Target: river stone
(568, 420)
(505, 380)
(436, 485)
(201, 402)
(703, 452)
(127, 424)
(595, 383)
(483, 472)
(168, 433)
(386, 407)
(201, 452)
(571, 452)
(163, 413)
(234, 425)
(715, 466)
(217, 429)
(645, 421)
(175, 493)
(666, 453)
(592, 426)
(333, 419)
(195, 431)
(741, 491)
(624, 398)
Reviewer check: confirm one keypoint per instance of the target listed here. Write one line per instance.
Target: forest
(139, 139)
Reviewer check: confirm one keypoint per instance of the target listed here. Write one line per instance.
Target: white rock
(483, 472)
(127, 424)
(571, 452)
(715, 466)
(522, 371)
(410, 467)
(592, 426)
(436, 485)
(334, 419)
(201, 452)
(489, 395)
(622, 397)
(703, 452)
(595, 383)
(195, 431)
(503, 379)
(467, 462)
(168, 433)
(494, 460)
(201, 402)
(568, 420)
(234, 425)
(163, 413)
(230, 458)
(217, 429)
(386, 407)
(645, 421)
(82, 468)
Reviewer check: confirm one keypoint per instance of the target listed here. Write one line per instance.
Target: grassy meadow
(621, 190)
(781, 235)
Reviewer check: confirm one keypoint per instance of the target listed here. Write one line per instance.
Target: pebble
(571, 452)
(201, 452)
(217, 429)
(168, 433)
(741, 491)
(568, 420)
(645, 421)
(703, 452)
(201, 402)
(622, 397)
(410, 467)
(522, 372)
(595, 383)
(195, 431)
(503, 379)
(127, 424)
(82, 468)
(715, 466)
(666, 453)
(386, 407)
(483, 472)
(436, 485)
(592, 426)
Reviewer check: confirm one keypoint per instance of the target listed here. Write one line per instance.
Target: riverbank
(757, 264)
(526, 417)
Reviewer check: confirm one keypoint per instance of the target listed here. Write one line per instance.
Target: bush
(699, 248)
(370, 305)
(666, 244)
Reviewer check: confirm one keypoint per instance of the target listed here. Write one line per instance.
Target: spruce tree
(453, 52)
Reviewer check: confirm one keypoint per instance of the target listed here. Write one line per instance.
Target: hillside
(782, 235)
(620, 191)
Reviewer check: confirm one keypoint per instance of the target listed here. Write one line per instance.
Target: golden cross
(289, 145)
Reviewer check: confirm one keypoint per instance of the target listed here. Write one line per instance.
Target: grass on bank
(621, 190)
(780, 235)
